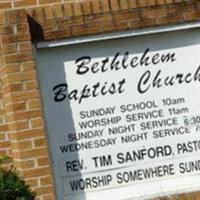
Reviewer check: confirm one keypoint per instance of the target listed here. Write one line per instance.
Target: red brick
(7, 29)
(57, 34)
(18, 57)
(46, 180)
(141, 3)
(41, 142)
(16, 16)
(22, 28)
(68, 10)
(24, 145)
(87, 7)
(24, 115)
(143, 23)
(77, 9)
(58, 11)
(7, 39)
(2, 18)
(48, 13)
(190, 16)
(96, 8)
(32, 182)
(126, 16)
(43, 161)
(114, 5)
(15, 87)
(27, 66)
(20, 76)
(9, 48)
(168, 1)
(5, 5)
(49, 197)
(105, 6)
(132, 3)
(170, 19)
(160, 2)
(48, 1)
(36, 172)
(38, 14)
(4, 144)
(34, 104)
(23, 3)
(30, 153)
(21, 106)
(44, 190)
(31, 85)
(151, 2)
(123, 4)
(2, 137)
(27, 134)
(20, 125)
(100, 19)
(10, 68)
(25, 46)
(153, 12)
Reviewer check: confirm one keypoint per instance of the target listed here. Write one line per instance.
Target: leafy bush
(12, 186)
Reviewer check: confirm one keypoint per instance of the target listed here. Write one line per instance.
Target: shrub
(12, 186)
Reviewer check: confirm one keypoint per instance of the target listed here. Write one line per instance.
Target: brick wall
(23, 22)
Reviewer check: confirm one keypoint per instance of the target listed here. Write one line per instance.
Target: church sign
(123, 116)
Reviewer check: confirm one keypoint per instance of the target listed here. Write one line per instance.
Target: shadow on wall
(36, 31)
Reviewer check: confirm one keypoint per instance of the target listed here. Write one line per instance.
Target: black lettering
(60, 92)
(82, 68)
(142, 85)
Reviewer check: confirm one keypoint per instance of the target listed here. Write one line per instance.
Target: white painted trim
(121, 34)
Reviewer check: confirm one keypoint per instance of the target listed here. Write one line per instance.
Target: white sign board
(123, 116)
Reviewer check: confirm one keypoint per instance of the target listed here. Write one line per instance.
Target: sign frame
(113, 36)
